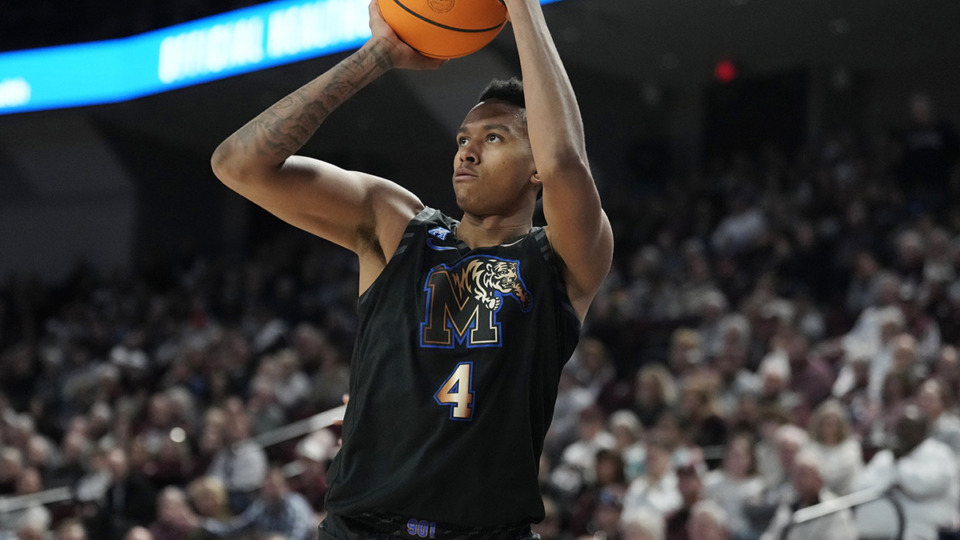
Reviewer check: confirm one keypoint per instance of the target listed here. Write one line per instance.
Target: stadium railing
(846, 502)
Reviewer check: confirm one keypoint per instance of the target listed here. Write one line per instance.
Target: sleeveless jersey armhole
(546, 251)
(408, 234)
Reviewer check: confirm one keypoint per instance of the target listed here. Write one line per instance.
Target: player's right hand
(402, 55)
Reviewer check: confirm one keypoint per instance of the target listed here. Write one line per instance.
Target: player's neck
(492, 231)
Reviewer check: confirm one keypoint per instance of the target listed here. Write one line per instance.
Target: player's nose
(468, 152)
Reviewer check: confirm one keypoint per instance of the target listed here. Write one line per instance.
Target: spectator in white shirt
(933, 399)
(921, 474)
(809, 490)
(241, 463)
(656, 489)
(839, 452)
(736, 482)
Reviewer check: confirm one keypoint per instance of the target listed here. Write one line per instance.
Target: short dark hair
(509, 90)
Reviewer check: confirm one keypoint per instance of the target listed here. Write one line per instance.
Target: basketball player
(464, 324)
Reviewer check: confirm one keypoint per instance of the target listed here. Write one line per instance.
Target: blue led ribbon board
(232, 43)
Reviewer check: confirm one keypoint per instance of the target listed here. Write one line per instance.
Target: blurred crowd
(143, 394)
(778, 330)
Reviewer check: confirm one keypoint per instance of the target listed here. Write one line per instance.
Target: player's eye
(493, 137)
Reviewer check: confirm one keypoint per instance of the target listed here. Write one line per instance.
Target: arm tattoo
(285, 127)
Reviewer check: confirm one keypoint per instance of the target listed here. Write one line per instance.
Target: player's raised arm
(577, 228)
(358, 211)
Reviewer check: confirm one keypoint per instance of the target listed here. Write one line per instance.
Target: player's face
(493, 170)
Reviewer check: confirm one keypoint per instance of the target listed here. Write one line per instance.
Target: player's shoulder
(393, 206)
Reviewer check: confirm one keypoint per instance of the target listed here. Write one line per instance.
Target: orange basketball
(445, 28)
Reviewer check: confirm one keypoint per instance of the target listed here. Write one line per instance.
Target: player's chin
(464, 205)
(470, 205)
(463, 194)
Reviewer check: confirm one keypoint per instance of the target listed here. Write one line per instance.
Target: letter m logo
(463, 301)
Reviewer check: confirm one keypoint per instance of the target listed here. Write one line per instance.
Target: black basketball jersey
(453, 381)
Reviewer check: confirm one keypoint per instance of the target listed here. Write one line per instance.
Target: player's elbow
(221, 161)
(227, 164)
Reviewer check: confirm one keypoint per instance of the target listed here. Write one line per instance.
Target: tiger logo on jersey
(463, 301)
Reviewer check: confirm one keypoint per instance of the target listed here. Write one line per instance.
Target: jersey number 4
(457, 392)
